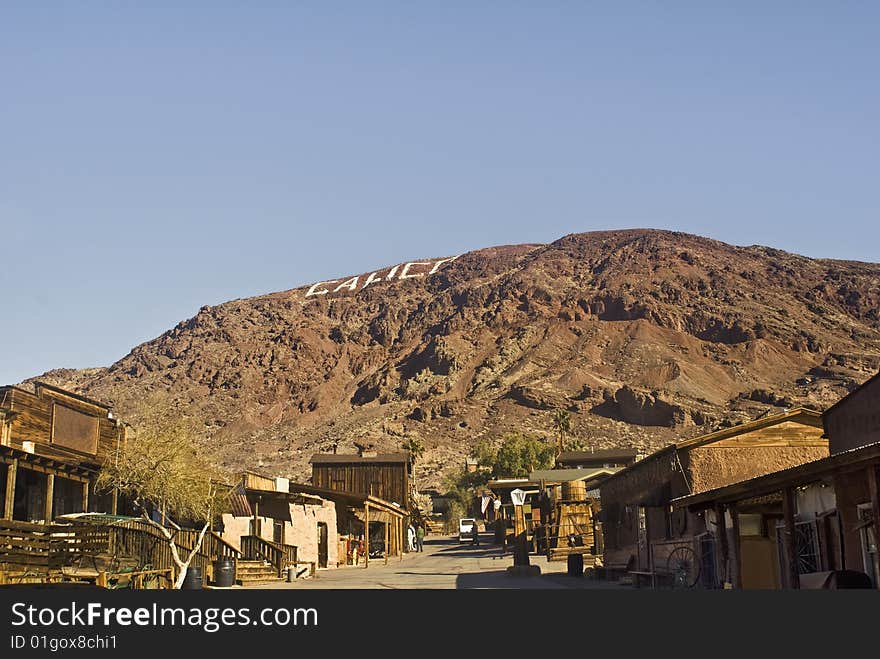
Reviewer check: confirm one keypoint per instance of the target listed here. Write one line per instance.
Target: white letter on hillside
(350, 284)
(404, 275)
(392, 272)
(440, 262)
(312, 290)
(372, 279)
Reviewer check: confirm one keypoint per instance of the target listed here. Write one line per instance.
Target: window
(809, 558)
(869, 543)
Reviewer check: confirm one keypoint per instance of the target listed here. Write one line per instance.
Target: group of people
(416, 537)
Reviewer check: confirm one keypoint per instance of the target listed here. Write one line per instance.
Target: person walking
(420, 537)
(411, 538)
(475, 531)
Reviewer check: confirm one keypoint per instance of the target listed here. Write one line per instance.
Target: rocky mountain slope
(642, 335)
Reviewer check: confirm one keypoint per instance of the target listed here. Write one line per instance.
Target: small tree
(519, 455)
(160, 467)
(415, 446)
(562, 425)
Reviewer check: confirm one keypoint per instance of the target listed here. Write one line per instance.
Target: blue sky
(155, 159)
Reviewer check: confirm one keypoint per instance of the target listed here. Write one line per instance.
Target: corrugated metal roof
(604, 454)
(353, 458)
(568, 475)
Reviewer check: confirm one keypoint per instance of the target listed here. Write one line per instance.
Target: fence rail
(40, 549)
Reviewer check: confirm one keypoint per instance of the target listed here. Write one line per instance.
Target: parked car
(465, 528)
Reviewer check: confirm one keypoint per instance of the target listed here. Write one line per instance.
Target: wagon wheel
(683, 567)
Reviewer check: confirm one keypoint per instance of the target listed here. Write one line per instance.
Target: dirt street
(446, 564)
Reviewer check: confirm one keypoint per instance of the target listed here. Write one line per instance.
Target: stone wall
(301, 530)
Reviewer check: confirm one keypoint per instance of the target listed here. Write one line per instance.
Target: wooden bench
(641, 577)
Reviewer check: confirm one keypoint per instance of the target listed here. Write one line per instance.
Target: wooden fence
(42, 551)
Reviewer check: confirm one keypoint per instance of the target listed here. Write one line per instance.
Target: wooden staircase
(254, 571)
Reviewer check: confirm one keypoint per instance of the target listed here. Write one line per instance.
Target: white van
(465, 528)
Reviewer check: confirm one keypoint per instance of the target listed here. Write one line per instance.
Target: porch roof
(43, 464)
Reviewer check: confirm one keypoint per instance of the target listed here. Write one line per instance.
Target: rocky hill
(642, 335)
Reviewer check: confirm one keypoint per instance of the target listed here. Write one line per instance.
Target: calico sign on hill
(410, 270)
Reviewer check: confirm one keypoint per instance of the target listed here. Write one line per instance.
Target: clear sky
(156, 159)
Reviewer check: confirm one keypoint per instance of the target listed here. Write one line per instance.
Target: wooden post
(387, 535)
(737, 548)
(114, 502)
(256, 530)
(9, 504)
(400, 534)
(722, 539)
(788, 538)
(366, 535)
(85, 497)
(648, 546)
(50, 494)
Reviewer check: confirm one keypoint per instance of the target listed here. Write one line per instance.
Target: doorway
(322, 544)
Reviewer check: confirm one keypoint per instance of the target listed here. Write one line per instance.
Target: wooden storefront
(52, 443)
(387, 476)
(645, 536)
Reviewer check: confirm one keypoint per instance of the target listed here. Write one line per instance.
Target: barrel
(575, 565)
(574, 491)
(224, 572)
(193, 578)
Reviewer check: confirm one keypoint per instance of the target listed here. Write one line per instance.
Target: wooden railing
(48, 546)
(136, 538)
(255, 548)
(40, 549)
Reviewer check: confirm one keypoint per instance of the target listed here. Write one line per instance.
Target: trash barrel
(193, 578)
(224, 572)
(575, 565)
(291, 573)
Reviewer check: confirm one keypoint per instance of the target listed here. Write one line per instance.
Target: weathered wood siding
(32, 421)
(855, 421)
(386, 481)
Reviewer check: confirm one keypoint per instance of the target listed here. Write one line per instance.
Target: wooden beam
(50, 495)
(11, 474)
(85, 497)
(721, 525)
(737, 548)
(366, 535)
(788, 538)
(386, 550)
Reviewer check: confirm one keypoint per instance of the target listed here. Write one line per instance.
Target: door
(278, 531)
(322, 544)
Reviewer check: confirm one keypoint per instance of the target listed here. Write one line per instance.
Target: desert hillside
(642, 335)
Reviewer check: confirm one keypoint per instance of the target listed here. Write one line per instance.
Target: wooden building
(800, 527)
(52, 444)
(645, 536)
(387, 476)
